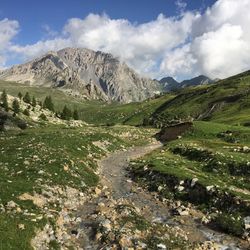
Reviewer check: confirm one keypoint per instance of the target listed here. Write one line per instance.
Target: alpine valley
(95, 156)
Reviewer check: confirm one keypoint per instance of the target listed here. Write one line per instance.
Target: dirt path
(118, 186)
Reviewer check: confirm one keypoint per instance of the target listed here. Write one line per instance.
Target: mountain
(225, 101)
(170, 84)
(199, 80)
(85, 73)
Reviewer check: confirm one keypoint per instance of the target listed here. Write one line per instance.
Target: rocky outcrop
(8, 122)
(173, 132)
(85, 73)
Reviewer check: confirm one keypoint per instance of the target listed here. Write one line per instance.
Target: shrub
(26, 112)
(75, 115)
(43, 117)
(232, 224)
(21, 124)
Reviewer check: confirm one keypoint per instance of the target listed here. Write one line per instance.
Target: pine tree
(20, 96)
(16, 106)
(48, 103)
(75, 115)
(27, 98)
(33, 101)
(4, 99)
(66, 113)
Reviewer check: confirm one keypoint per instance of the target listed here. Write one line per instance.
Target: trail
(114, 176)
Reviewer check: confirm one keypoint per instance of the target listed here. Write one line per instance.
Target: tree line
(65, 114)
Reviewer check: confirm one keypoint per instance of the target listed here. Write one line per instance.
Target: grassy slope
(199, 100)
(212, 169)
(94, 112)
(36, 157)
(190, 102)
(130, 114)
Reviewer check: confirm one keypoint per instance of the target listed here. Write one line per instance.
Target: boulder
(193, 182)
(247, 222)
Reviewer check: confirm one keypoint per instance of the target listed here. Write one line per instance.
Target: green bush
(26, 112)
(232, 224)
(43, 117)
(75, 115)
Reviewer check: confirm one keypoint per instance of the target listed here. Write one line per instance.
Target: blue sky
(180, 38)
(34, 15)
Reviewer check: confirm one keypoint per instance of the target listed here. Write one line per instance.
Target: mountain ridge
(170, 84)
(87, 73)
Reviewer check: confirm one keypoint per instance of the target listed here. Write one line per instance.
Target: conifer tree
(66, 113)
(33, 101)
(75, 115)
(20, 96)
(27, 98)
(16, 106)
(48, 103)
(4, 99)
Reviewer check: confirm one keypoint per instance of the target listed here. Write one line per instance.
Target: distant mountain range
(85, 73)
(170, 84)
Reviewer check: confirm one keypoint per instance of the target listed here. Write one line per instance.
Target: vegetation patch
(201, 168)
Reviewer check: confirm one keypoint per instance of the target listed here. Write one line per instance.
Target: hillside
(199, 80)
(170, 84)
(225, 101)
(86, 74)
(91, 111)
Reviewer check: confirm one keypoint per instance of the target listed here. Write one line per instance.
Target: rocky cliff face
(90, 74)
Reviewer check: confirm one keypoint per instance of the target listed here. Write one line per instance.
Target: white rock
(209, 188)
(11, 204)
(193, 182)
(247, 222)
(180, 188)
(161, 246)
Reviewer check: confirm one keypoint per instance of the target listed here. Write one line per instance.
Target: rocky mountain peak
(86, 73)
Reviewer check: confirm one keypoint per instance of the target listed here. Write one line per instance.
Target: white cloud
(48, 31)
(220, 42)
(8, 29)
(215, 43)
(179, 62)
(181, 5)
(40, 48)
(141, 46)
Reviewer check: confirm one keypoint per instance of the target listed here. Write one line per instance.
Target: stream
(114, 176)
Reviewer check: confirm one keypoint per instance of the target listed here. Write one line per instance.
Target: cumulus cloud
(8, 29)
(220, 42)
(141, 46)
(215, 43)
